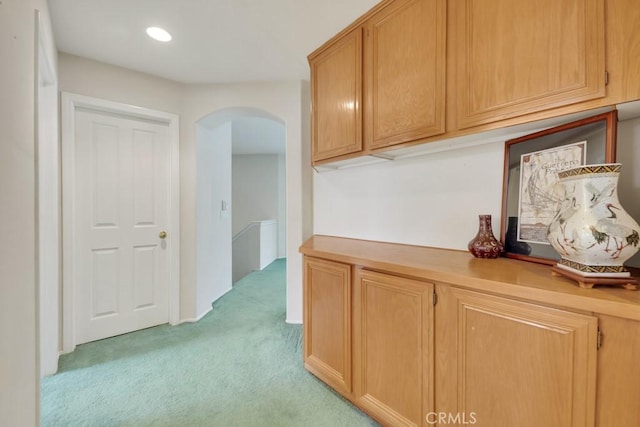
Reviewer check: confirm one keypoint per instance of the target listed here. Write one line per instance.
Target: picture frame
(529, 190)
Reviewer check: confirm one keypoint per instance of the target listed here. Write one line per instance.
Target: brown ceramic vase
(485, 245)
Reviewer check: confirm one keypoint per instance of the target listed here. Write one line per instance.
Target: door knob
(163, 234)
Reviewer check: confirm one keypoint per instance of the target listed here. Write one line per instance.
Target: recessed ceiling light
(159, 34)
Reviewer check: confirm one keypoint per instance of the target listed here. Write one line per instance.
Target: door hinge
(435, 298)
(599, 339)
(606, 78)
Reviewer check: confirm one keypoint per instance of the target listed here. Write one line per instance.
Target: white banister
(254, 247)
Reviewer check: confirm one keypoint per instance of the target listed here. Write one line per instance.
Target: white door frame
(69, 104)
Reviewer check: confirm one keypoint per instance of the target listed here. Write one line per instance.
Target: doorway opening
(240, 198)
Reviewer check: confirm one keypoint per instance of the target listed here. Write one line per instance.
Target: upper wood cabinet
(517, 57)
(405, 72)
(397, 96)
(336, 94)
(414, 71)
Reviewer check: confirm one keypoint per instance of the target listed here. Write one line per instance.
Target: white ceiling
(257, 135)
(214, 41)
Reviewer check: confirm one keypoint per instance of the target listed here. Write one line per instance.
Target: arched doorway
(222, 136)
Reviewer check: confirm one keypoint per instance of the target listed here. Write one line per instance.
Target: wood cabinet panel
(405, 72)
(623, 50)
(514, 58)
(336, 94)
(505, 362)
(393, 348)
(327, 322)
(618, 373)
(482, 355)
(506, 63)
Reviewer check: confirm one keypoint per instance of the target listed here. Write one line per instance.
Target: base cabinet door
(503, 362)
(327, 322)
(618, 373)
(393, 348)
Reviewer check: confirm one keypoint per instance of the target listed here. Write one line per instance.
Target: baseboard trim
(195, 319)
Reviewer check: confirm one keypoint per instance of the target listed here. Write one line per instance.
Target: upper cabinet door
(405, 72)
(336, 93)
(519, 57)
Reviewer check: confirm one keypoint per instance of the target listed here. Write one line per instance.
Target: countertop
(503, 276)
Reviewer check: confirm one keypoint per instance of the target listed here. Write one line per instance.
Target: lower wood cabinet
(503, 362)
(393, 348)
(421, 351)
(327, 322)
(618, 390)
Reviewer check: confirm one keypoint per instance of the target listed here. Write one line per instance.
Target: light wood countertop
(503, 276)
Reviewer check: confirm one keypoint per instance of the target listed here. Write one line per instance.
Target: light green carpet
(241, 365)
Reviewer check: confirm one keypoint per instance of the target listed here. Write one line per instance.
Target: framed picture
(531, 191)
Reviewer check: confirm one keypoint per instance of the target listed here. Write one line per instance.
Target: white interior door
(122, 178)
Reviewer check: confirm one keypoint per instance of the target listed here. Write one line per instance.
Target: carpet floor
(241, 365)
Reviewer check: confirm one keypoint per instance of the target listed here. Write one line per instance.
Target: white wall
(629, 181)
(19, 367)
(268, 243)
(97, 79)
(246, 252)
(214, 224)
(282, 206)
(48, 214)
(255, 189)
(435, 200)
(287, 101)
